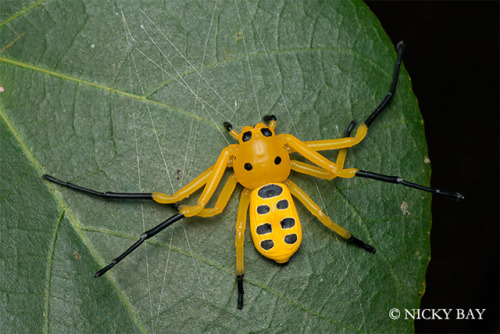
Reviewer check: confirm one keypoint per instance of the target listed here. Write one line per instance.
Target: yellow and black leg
(158, 197)
(206, 212)
(323, 218)
(348, 141)
(210, 179)
(146, 235)
(240, 238)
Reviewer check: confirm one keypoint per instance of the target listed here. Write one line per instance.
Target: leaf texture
(130, 96)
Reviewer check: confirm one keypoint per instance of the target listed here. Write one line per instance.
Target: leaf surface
(131, 96)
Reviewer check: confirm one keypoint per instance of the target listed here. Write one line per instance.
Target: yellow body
(274, 223)
(259, 160)
(262, 154)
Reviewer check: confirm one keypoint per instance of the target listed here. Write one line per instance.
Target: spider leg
(318, 159)
(146, 235)
(305, 168)
(158, 197)
(240, 237)
(222, 200)
(399, 180)
(339, 143)
(187, 190)
(212, 182)
(107, 194)
(332, 144)
(343, 152)
(321, 173)
(388, 97)
(323, 218)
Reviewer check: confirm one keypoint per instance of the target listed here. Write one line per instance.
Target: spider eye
(248, 166)
(277, 160)
(247, 136)
(266, 132)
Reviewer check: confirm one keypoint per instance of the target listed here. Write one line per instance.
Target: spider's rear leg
(323, 218)
(240, 238)
(146, 235)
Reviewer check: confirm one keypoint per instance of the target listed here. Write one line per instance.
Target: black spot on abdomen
(283, 204)
(264, 228)
(263, 209)
(270, 190)
(291, 239)
(287, 223)
(267, 244)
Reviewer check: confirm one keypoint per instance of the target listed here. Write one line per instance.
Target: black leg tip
(240, 302)
(269, 118)
(228, 126)
(239, 279)
(400, 45)
(54, 180)
(105, 269)
(363, 245)
(48, 177)
(102, 271)
(457, 196)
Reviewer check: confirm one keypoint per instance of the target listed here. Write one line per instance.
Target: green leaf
(130, 96)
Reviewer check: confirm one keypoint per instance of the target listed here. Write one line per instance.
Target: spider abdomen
(274, 222)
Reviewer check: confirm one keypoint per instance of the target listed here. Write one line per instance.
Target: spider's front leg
(212, 182)
(335, 144)
(330, 168)
(211, 178)
(305, 168)
(309, 149)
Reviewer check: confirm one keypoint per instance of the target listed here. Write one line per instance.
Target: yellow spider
(261, 163)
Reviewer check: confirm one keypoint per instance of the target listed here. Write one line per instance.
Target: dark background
(452, 56)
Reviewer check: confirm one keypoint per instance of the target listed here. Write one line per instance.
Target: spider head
(261, 156)
(259, 132)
